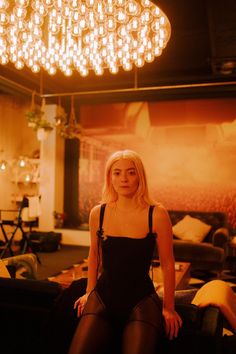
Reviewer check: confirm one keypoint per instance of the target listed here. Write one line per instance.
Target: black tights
(141, 333)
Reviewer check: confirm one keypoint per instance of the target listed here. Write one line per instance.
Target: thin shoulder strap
(101, 217)
(150, 212)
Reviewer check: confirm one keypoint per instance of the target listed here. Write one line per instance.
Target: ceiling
(199, 60)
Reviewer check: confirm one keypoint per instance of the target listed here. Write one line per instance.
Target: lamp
(23, 169)
(3, 165)
(81, 35)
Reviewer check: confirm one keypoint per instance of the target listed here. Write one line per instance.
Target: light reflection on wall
(190, 159)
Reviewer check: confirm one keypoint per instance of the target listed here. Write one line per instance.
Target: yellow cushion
(191, 229)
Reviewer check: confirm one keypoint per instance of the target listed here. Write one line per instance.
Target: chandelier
(81, 35)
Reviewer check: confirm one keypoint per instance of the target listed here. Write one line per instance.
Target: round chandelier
(81, 35)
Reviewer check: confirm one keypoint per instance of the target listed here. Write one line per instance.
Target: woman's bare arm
(92, 259)
(165, 247)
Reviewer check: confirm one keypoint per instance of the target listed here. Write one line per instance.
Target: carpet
(53, 263)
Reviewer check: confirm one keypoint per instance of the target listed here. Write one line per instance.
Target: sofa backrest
(216, 219)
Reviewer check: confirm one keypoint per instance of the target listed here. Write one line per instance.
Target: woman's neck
(126, 204)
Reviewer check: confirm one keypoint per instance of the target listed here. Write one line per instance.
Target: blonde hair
(142, 194)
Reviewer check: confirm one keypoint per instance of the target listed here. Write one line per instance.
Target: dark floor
(53, 263)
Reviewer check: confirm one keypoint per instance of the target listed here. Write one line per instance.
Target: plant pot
(31, 124)
(42, 134)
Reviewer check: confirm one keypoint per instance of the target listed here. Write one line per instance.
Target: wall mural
(188, 148)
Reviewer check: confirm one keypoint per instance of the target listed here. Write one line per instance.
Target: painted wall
(188, 148)
(16, 139)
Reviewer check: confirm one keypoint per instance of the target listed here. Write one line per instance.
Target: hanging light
(3, 165)
(22, 162)
(27, 178)
(81, 35)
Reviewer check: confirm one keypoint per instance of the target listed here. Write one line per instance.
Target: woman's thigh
(144, 327)
(94, 331)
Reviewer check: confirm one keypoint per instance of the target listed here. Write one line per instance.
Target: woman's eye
(132, 173)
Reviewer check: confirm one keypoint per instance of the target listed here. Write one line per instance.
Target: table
(182, 275)
(75, 272)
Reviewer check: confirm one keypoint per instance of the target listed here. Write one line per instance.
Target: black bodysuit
(124, 295)
(126, 262)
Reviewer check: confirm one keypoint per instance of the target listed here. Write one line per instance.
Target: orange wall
(189, 151)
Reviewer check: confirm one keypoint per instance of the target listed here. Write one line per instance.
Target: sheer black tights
(141, 333)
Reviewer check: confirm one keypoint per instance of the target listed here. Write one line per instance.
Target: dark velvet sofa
(38, 317)
(210, 254)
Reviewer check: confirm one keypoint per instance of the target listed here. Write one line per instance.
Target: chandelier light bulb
(75, 35)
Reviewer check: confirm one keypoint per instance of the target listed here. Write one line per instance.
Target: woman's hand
(173, 323)
(80, 303)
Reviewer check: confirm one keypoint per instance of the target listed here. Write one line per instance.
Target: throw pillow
(191, 229)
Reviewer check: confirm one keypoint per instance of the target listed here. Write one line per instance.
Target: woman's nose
(124, 176)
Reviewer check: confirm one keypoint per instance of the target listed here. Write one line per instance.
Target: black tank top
(126, 261)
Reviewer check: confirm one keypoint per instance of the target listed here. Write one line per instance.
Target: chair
(22, 219)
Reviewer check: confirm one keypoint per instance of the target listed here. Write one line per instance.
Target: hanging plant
(60, 118)
(35, 116)
(71, 129)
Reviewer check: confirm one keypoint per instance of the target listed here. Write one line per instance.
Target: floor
(53, 263)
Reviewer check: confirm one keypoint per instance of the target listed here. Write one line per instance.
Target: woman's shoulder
(95, 211)
(160, 210)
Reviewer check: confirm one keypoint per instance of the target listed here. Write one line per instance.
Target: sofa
(38, 317)
(20, 266)
(208, 254)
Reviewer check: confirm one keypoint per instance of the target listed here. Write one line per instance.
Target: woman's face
(124, 178)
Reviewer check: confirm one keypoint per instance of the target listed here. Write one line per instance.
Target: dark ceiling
(199, 60)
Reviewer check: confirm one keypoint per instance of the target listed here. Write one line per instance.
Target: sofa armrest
(28, 292)
(27, 261)
(220, 237)
(201, 331)
(25, 310)
(212, 322)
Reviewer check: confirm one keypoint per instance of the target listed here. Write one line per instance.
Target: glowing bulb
(53, 34)
(3, 165)
(22, 162)
(27, 178)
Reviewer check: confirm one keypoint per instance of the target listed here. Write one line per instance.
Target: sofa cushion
(191, 229)
(213, 218)
(197, 252)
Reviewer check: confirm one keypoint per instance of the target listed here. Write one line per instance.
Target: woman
(124, 230)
